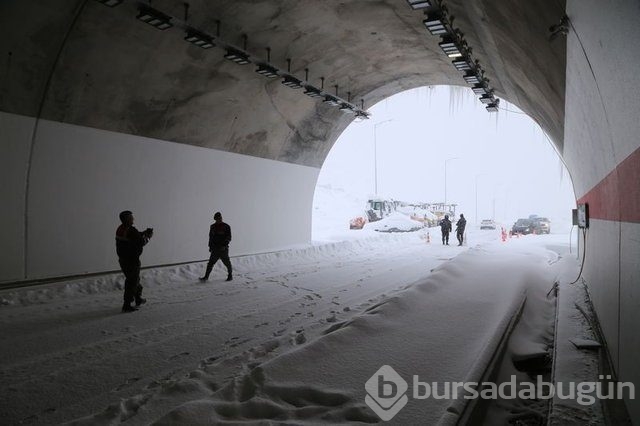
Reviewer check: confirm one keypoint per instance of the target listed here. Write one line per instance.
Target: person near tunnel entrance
(460, 225)
(445, 228)
(219, 239)
(129, 244)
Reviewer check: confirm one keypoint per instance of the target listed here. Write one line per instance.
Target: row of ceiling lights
(455, 47)
(240, 56)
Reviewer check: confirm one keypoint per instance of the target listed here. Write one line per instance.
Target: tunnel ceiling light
(471, 77)
(312, 92)
(292, 82)
(347, 108)
(464, 63)
(480, 89)
(234, 55)
(154, 18)
(110, 3)
(267, 71)
(494, 106)
(487, 99)
(450, 47)
(330, 100)
(419, 4)
(362, 114)
(436, 24)
(199, 39)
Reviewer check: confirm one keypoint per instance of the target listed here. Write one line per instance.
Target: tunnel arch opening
(437, 145)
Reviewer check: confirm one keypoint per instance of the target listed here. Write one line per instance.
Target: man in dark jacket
(445, 227)
(460, 225)
(129, 243)
(219, 239)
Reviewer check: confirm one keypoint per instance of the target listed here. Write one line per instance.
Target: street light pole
(445, 176)
(375, 152)
(477, 176)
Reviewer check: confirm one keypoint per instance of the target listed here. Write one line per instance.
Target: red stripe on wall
(617, 196)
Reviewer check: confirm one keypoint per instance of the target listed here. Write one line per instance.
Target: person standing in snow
(445, 227)
(129, 243)
(460, 225)
(219, 239)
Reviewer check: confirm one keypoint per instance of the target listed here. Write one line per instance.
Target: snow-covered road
(68, 352)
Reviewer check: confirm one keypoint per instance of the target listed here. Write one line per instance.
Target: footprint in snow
(171, 358)
(127, 383)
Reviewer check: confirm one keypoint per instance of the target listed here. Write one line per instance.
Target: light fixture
(110, 3)
(419, 4)
(330, 100)
(267, 71)
(471, 77)
(436, 23)
(480, 89)
(451, 47)
(463, 63)
(494, 106)
(154, 18)
(312, 92)
(362, 114)
(487, 99)
(199, 39)
(347, 108)
(237, 56)
(291, 82)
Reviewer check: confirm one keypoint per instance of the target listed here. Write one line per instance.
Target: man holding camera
(129, 243)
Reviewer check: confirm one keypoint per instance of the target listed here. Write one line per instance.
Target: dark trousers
(460, 235)
(221, 253)
(132, 287)
(445, 237)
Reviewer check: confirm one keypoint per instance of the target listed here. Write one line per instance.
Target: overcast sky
(507, 155)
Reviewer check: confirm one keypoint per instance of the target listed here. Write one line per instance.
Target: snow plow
(376, 209)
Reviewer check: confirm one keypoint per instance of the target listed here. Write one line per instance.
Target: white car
(487, 224)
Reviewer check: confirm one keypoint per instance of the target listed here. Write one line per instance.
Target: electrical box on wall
(583, 215)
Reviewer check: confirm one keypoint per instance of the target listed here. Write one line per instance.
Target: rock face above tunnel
(82, 63)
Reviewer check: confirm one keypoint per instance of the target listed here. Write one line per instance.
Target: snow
(294, 337)
(395, 222)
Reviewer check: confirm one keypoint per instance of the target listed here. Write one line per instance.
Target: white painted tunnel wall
(81, 178)
(602, 128)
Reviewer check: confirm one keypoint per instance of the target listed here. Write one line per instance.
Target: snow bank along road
(294, 337)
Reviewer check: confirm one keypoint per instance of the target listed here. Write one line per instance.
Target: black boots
(128, 308)
(229, 278)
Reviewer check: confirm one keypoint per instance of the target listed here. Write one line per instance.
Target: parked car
(487, 224)
(541, 225)
(523, 226)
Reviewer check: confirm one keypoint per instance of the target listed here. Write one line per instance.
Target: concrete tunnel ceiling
(113, 72)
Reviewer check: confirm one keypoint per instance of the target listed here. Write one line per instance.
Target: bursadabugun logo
(386, 393)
